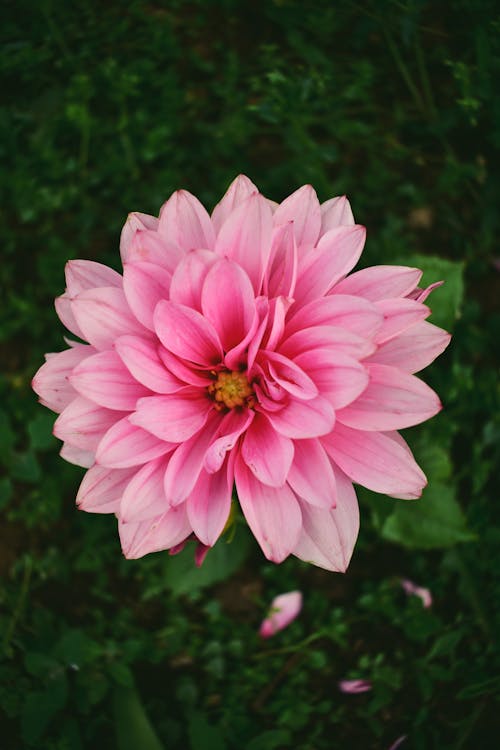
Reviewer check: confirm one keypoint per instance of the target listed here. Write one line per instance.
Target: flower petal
(336, 212)
(238, 191)
(338, 377)
(376, 461)
(87, 274)
(228, 302)
(245, 237)
(77, 456)
(103, 314)
(187, 334)
(141, 358)
(135, 222)
(283, 610)
(391, 401)
(188, 278)
(185, 221)
(326, 337)
(231, 427)
(290, 376)
(101, 489)
(155, 534)
(304, 419)
(145, 284)
(380, 282)
(311, 475)
(355, 314)
(83, 423)
(175, 417)
(209, 504)
(414, 349)
(281, 274)
(328, 537)
(272, 513)
(148, 246)
(267, 453)
(302, 207)
(144, 496)
(355, 686)
(126, 445)
(104, 379)
(51, 382)
(399, 315)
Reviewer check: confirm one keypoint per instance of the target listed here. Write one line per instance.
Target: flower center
(231, 389)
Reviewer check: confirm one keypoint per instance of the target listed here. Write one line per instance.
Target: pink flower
(413, 590)
(236, 350)
(284, 609)
(355, 686)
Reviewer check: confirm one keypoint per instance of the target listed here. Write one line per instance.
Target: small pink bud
(355, 686)
(284, 609)
(413, 590)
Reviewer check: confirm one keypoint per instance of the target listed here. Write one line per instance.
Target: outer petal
(392, 400)
(209, 504)
(101, 489)
(141, 358)
(162, 532)
(145, 284)
(337, 253)
(104, 379)
(188, 278)
(187, 334)
(281, 275)
(414, 349)
(245, 237)
(302, 207)
(184, 220)
(65, 314)
(51, 382)
(77, 456)
(273, 514)
(335, 213)
(304, 419)
(380, 282)
(144, 496)
(399, 315)
(126, 445)
(240, 189)
(376, 461)
(311, 475)
(228, 302)
(148, 246)
(283, 610)
(103, 314)
(87, 274)
(328, 536)
(83, 423)
(326, 337)
(339, 377)
(135, 221)
(175, 417)
(355, 314)
(267, 454)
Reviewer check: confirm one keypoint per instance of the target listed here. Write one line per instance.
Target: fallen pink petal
(283, 610)
(355, 686)
(239, 351)
(398, 742)
(413, 590)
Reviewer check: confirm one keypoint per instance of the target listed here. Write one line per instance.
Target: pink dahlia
(235, 350)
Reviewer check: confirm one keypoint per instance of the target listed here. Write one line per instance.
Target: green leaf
(221, 561)
(40, 432)
(270, 740)
(132, 726)
(24, 467)
(6, 437)
(40, 707)
(202, 735)
(446, 301)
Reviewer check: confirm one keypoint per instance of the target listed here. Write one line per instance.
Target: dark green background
(108, 107)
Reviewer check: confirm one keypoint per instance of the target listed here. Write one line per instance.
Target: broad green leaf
(40, 707)
(221, 561)
(40, 431)
(132, 726)
(202, 735)
(446, 301)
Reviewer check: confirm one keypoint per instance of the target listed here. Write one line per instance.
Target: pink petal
(104, 379)
(155, 534)
(135, 222)
(240, 189)
(326, 337)
(262, 306)
(77, 456)
(392, 400)
(141, 358)
(209, 504)
(337, 253)
(338, 376)
(145, 284)
(103, 314)
(311, 475)
(101, 489)
(380, 282)
(187, 462)
(144, 496)
(228, 302)
(283, 610)
(188, 278)
(187, 334)
(302, 207)
(267, 454)
(304, 419)
(278, 309)
(414, 349)
(231, 427)
(126, 445)
(355, 314)
(328, 536)
(376, 461)
(398, 742)
(63, 305)
(87, 274)
(184, 372)
(413, 590)
(245, 237)
(83, 424)
(148, 246)
(273, 514)
(290, 376)
(336, 212)
(420, 295)
(281, 274)
(184, 220)
(175, 417)
(399, 315)
(355, 686)
(51, 382)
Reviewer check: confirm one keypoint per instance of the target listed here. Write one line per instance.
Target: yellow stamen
(231, 389)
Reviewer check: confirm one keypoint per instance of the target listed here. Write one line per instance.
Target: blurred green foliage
(111, 107)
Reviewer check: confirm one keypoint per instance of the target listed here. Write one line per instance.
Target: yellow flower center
(231, 389)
